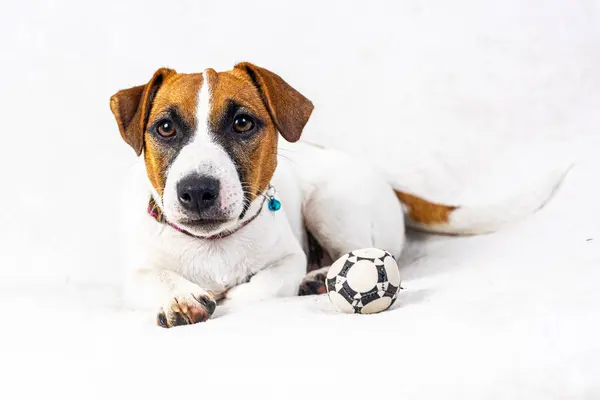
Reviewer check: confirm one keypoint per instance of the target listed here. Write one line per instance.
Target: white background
(460, 100)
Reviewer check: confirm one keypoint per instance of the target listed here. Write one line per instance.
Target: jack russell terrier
(212, 214)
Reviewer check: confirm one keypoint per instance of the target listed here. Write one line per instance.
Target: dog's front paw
(186, 310)
(245, 293)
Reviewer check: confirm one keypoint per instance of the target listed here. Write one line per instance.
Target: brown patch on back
(425, 212)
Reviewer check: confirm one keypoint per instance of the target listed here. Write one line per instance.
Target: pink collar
(156, 213)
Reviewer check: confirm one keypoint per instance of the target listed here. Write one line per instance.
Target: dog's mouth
(204, 222)
(206, 226)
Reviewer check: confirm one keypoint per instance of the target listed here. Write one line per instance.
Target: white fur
(268, 251)
(267, 246)
(487, 218)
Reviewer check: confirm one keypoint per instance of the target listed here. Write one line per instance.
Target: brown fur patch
(425, 212)
(288, 108)
(179, 91)
(131, 108)
(257, 158)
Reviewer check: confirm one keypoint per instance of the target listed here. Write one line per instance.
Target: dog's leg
(348, 213)
(279, 279)
(175, 300)
(338, 229)
(314, 282)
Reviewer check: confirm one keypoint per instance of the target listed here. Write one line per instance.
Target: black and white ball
(364, 281)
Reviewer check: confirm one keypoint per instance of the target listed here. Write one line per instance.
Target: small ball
(364, 281)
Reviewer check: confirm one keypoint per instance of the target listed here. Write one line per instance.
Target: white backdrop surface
(463, 101)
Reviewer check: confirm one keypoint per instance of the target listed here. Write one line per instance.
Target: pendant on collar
(274, 204)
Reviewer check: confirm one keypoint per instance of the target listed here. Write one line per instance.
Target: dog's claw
(186, 310)
(313, 284)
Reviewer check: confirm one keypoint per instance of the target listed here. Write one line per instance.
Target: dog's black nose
(198, 193)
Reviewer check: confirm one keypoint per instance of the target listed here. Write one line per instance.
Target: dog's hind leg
(352, 210)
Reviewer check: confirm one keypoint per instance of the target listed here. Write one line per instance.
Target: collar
(157, 214)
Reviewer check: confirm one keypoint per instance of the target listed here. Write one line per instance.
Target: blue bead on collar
(273, 203)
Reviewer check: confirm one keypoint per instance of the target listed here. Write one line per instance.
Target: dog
(212, 214)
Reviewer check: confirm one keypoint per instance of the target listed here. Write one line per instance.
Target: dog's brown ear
(131, 108)
(289, 109)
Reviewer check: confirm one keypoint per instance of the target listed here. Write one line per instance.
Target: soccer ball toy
(363, 281)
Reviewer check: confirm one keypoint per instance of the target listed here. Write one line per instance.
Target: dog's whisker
(287, 158)
(277, 150)
(260, 193)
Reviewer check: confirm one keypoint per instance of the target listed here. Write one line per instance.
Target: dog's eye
(243, 123)
(166, 128)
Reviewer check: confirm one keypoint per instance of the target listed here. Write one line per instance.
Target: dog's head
(209, 140)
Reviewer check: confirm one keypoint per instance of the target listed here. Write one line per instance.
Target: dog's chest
(218, 267)
(221, 264)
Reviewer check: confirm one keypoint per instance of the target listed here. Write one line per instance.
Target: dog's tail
(428, 216)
